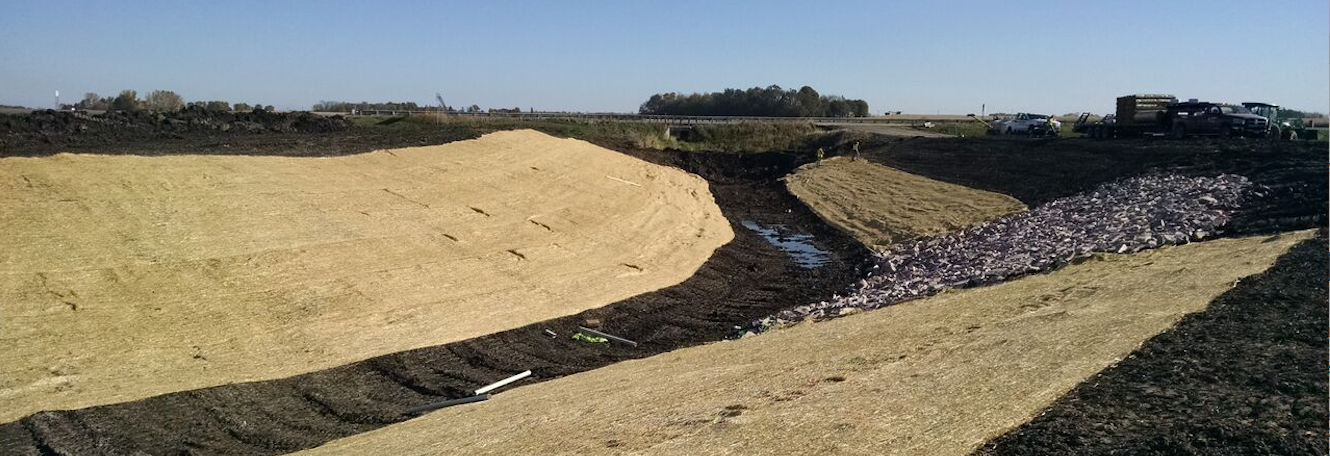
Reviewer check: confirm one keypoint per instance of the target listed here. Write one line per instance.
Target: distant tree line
(1296, 114)
(344, 106)
(157, 100)
(771, 101)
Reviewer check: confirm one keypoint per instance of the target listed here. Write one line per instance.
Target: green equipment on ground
(1281, 127)
(578, 336)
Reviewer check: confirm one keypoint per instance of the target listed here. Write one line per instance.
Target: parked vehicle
(1026, 124)
(1280, 127)
(1139, 115)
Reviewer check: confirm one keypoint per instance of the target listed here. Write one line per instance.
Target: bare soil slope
(934, 376)
(879, 205)
(1245, 377)
(123, 277)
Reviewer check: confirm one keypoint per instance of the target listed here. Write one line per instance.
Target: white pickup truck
(1026, 124)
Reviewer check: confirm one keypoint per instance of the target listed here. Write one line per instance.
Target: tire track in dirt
(744, 279)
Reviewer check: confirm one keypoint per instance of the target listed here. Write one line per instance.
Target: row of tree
(771, 101)
(345, 106)
(157, 100)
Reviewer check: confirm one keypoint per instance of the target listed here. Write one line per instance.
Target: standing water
(798, 246)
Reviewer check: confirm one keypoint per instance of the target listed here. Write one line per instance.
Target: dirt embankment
(937, 376)
(1245, 377)
(1039, 171)
(879, 205)
(124, 277)
(67, 128)
(743, 279)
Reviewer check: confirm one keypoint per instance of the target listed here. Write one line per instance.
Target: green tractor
(1280, 128)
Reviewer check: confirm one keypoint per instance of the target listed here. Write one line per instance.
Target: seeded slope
(880, 205)
(933, 376)
(123, 276)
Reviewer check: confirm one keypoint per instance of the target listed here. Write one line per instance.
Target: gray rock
(1119, 217)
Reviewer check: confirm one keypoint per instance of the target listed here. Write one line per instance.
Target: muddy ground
(1245, 377)
(744, 279)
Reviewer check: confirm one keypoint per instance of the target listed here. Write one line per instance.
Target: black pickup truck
(1201, 118)
(1139, 115)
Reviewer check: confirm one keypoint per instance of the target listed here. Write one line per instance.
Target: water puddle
(798, 246)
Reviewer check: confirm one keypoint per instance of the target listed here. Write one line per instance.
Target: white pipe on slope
(501, 383)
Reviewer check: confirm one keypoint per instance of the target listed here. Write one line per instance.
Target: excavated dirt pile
(123, 277)
(73, 128)
(743, 279)
(1120, 217)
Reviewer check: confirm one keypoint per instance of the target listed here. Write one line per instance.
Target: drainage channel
(798, 245)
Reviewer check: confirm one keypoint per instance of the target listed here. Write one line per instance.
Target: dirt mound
(73, 128)
(936, 376)
(1038, 171)
(880, 205)
(1245, 377)
(744, 279)
(124, 277)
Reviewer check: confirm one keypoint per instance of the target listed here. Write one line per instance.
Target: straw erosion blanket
(123, 277)
(932, 376)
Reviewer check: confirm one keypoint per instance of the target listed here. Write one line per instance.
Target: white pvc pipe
(501, 383)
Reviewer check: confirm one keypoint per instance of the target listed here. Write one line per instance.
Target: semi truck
(1160, 115)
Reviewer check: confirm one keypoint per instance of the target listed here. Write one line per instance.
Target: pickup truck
(1158, 115)
(1202, 118)
(1027, 124)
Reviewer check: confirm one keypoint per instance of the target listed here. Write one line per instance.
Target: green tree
(242, 107)
(128, 100)
(89, 101)
(838, 108)
(810, 102)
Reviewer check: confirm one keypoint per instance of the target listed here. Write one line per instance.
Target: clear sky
(913, 56)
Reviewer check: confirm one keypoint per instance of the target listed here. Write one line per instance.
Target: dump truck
(1159, 115)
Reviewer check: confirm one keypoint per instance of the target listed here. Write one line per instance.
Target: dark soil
(55, 129)
(744, 279)
(1245, 377)
(1036, 171)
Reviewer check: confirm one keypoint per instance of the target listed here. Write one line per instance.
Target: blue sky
(919, 57)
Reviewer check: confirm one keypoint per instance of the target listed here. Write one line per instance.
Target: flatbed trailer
(1136, 115)
(1158, 115)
